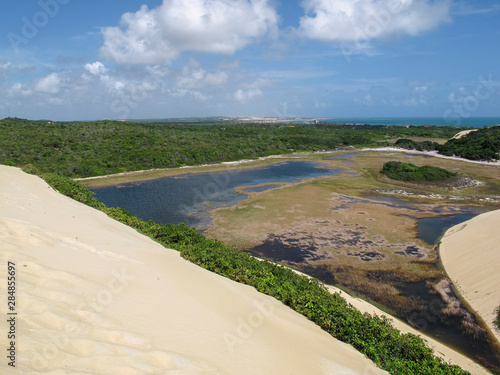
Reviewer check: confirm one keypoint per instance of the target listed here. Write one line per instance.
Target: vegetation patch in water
(410, 172)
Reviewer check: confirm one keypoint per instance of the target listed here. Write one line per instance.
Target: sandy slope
(470, 253)
(96, 297)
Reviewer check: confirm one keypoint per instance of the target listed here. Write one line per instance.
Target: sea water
(472, 122)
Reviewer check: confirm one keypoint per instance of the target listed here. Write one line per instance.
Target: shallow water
(431, 229)
(188, 198)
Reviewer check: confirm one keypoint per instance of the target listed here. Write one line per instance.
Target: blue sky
(86, 60)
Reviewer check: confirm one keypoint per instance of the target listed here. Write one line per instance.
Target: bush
(497, 318)
(410, 172)
(418, 146)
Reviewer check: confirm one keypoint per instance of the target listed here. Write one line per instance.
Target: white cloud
(182, 93)
(19, 88)
(244, 96)
(194, 76)
(5, 65)
(216, 79)
(96, 68)
(50, 84)
(364, 20)
(151, 36)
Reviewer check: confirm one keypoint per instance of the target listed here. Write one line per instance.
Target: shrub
(497, 318)
(410, 172)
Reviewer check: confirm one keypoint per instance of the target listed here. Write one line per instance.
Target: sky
(129, 59)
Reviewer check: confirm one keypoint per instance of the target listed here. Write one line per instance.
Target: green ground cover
(497, 318)
(410, 172)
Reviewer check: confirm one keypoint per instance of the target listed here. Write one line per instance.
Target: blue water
(431, 229)
(473, 122)
(341, 156)
(188, 198)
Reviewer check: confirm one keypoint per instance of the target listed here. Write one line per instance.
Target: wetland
(337, 218)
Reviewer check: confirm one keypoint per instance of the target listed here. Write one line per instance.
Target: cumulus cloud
(244, 96)
(151, 36)
(4, 65)
(365, 20)
(49, 84)
(194, 76)
(20, 89)
(96, 68)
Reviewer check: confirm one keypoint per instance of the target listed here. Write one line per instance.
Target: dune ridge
(96, 297)
(470, 253)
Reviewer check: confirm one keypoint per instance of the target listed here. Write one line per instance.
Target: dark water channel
(190, 197)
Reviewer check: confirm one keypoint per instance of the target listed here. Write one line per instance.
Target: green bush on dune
(373, 336)
(497, 318)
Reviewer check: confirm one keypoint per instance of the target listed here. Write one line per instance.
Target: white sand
(470, 253)
(93, 296)
(463, 133)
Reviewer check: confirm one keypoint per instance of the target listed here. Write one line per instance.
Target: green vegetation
(414, 145)
(371, 335)
(83, 149)
(497, 318)
(410, 172)
(483, 144)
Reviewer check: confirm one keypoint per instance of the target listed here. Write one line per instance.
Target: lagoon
(189, 197)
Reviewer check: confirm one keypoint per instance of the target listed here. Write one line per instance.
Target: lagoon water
(189, 197)
(431, 229)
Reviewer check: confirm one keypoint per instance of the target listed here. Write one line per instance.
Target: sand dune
(470, 253)
(93, 296)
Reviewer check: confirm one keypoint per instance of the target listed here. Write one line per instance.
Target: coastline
(470, 254)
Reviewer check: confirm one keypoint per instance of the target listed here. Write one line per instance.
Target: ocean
(471, 122)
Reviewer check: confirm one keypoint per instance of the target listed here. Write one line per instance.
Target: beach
(470, 253)
(95, 296)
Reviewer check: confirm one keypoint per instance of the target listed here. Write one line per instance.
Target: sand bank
(470, 253)
(93, 296)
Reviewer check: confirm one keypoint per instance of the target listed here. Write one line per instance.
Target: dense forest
(410, 172)
(482, 144)
(83, 149)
